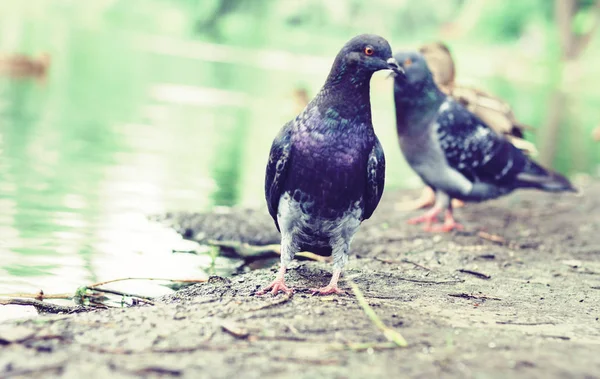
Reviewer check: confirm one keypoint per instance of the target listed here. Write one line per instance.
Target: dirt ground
(468, 307)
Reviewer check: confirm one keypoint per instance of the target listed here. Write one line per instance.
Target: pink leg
(448, 225)
(332, 287)
(428, 218)
(277, 285)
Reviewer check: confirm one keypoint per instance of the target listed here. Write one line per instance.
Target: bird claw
(276, 286)
(445, 227)
(449, 224)
(328, 290)
(420, 220)
(429, 217)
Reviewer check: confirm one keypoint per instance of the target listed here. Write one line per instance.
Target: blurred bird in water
(492, 110)
(454, 151)
(20, 66)
(326, 167)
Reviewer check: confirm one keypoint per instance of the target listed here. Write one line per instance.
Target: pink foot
(449, 224)
(445, 227)
(428, 218)
(276, 286)
(332, 287)
(328, 290)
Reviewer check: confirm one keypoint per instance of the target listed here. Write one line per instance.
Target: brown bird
(21, 66)
(301, 99)
(492, 110)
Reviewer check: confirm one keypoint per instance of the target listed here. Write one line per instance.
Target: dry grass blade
(491, 237)
(389, 333)
(245, 250)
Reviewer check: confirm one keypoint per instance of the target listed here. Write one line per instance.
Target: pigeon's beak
(396, 69)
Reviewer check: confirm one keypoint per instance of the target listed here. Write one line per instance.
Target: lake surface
(129, 124)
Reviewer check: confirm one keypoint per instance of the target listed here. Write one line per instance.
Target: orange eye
(407, 62)
(369, 50)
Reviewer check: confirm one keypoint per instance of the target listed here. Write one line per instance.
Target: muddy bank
(469, 307)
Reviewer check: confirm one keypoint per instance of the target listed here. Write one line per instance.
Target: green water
(142, 114)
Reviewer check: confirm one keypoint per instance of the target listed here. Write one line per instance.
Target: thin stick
(429, 281)
(246, 251)
(161, 279)
(389, 333)
(403, 260)
(39, 296)
(29, 372)
(305, 361)
(235, 330)
(173, 350)
(273, 303)
(313, 256)
(475, 273)
(475, 297)
(43, 307)
(491, 237)
(119, 293)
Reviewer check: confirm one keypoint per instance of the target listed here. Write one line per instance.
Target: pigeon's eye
(407, 62)
(369, 50)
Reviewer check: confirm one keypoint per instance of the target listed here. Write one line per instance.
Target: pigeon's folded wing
(277, 169)
(375, 179)
(476, 151)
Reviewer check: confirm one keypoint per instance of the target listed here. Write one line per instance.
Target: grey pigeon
(326, 167)
(454, 151)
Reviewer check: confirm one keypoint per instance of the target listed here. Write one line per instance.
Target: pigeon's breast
(329, 151)
(331, 172)
(426, 157)
(315, 232)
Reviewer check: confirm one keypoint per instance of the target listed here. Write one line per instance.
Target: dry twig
(44, 307)
(475, 297)
(491, 237)
(475, 273)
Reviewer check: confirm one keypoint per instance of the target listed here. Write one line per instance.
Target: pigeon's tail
(535, 176)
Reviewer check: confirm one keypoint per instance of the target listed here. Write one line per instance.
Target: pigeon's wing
(277, 168)
(481, 155)
(375, 179)
(473, 149)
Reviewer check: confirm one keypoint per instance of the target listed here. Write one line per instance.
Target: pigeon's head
(366, 53)
(417, 76)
